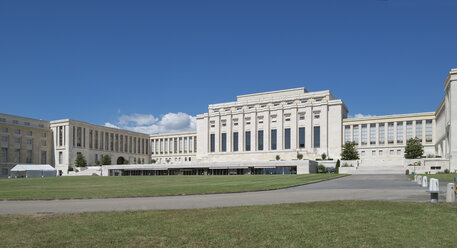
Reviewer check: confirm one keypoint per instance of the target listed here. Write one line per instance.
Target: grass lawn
(440, 177)
(319, 224)
(134, 186)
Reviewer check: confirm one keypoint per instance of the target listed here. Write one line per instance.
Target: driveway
(355, 187)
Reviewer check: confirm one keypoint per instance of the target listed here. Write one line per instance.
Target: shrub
(320, 169)
(70, 168)
(106, 160)
(337, 166)
(349, 151)
(80, 160)
(97, 162)
(126, 161)
(323, 156)
(414, 148)
(299, 156)
(278, 157)
(153, 161)
(446, 171)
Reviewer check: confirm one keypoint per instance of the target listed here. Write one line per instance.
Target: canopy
(33, 167)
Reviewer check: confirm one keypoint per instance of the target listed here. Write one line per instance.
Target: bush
(70, 168)
(323, 156)
(337, 166)
(446, 171)
(320, 169)
(278, 157)
(153, 161)
(106, 160)
(349, 151)
(299, 156)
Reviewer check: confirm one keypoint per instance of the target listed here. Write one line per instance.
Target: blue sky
(141, 63)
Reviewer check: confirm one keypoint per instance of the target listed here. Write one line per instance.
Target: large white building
(263, 133)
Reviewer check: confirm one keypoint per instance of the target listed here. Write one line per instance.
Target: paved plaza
(355, 187)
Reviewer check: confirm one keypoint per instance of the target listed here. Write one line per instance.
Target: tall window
(60, 136)
(78, 137)
(213, 142)
(390, 133)
(43, 157)
(28, 157)
(347, 134)
(224, 142)
(399, 132)
(4, 155)
(355, 137)
(91, 134)
(372, 134)
(248, 140)
(301, 137)
(409, 130)
(235, 141)
(364, 134)
(60, 157)
(260, 140)
(419, 129)
(317, 136)
(287, 138)
(381, 133)
(428, 131)
(273, 139)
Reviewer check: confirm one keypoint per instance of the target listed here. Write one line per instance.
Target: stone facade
(173, 148)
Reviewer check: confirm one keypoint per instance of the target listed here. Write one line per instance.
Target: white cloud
(147, 123)
(361, 116)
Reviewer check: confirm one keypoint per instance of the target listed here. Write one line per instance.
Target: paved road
(356, 187)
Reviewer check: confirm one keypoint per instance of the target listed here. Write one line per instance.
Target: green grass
(440, 177)
(135, 186)
(320, 224)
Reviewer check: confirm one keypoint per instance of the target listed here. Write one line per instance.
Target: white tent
(33, 170)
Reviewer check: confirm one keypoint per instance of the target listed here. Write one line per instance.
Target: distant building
(256, 134)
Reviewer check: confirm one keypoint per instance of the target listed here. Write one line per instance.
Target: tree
(414, 148)
(80, 160)
(299, 156)
(337, 166)
(106, 160)
(126, 161)
(349, 151)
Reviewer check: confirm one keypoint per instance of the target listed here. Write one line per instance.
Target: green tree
(414, 148)
(323, 156)
(278, 157)
(80, 160)
(349, 151)
(299, 156)
(106, 160)
(337, 166)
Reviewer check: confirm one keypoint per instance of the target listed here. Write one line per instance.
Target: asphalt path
(355, 187)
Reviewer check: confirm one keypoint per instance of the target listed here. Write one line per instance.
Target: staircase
(90, 171)
(380, 167)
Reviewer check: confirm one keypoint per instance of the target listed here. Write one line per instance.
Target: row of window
(260, 140)
(25, 123)
(18, 158)
(5, 139)
(267, 105)
(380, 129)
(174, 145)
(103, 140)
(19, 132)
(374, 153)
(301, 116)
(172, 160)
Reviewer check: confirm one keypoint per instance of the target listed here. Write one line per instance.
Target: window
(17, 154)
(15, 122)
(287, 138)
(60, 135)
(43, 157)
(301, 137)
(29, 141)
(29, 133)
(5, 138)
(28, 157)
(373, 153)
(91, 136)
(419, 129)
(347, 133)
(355, 135)
(304, 101)
(213, 142)
(2, 120)
(317, 136)
(381, 133)
(248, 140)
(409, 130)
(27, 123)
(41, 125)
(18, 131)
(273, 139)
(428, 131)
(224, 123)
(302, 117)
(78, 137)
(5, 130)
(289, 103)
(380, 152)
(60, 157)
(372, 134)
(224, 142)
(317, 116)
(399, 152)
(235, 141)
(43, 135)
(287, 119)
(18, 141)
(260, 140)
(4, 155)
(362, 154)
(364, 134)
(319, 99)
(390, 133)
(399, 132)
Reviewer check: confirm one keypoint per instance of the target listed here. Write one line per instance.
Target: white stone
(450, 192)
(424, 182)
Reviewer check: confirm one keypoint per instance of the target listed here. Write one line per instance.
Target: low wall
(327, 163)
(426, 165)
